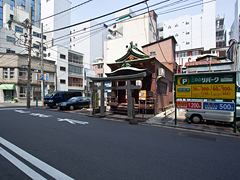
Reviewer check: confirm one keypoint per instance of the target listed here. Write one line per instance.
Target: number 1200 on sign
(194, 105)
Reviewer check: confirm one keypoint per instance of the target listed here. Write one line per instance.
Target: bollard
(36, 101)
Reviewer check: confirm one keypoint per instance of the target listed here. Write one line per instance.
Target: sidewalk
(182, 122)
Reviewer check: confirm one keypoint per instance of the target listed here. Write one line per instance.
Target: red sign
(188, 105)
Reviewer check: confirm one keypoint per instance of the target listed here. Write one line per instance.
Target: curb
(186, 128)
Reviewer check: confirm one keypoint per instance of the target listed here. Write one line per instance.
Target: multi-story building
(14, 73)
(220, 31)
(69, 68)
(14, 35)
(128, 27)
(26, 6)
(191, 32)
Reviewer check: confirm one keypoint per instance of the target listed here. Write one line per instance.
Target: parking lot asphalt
(164, 119)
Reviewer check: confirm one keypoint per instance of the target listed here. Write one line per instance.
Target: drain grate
(197, 136)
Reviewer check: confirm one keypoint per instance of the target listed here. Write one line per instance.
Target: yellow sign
(206, 91)
(142, 95)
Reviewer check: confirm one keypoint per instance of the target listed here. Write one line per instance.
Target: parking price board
(206, 86)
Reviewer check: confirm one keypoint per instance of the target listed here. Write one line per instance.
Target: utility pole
(42, 82)
(29, 60)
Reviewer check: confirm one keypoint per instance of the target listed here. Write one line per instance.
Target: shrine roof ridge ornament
(132, 53)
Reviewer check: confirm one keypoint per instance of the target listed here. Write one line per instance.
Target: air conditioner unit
(161, 72)
(36, 70)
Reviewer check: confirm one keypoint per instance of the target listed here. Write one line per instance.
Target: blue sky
(99, 7)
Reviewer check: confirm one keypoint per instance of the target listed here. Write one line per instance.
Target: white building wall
(136, 30)
(53, 7)
(88, 41)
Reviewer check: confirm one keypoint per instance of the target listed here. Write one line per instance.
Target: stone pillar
(129, 102)
(102, 114)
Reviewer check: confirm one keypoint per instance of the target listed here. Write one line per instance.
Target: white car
(197, 115)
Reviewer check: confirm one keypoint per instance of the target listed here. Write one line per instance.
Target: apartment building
(14, 73)
(191, 32)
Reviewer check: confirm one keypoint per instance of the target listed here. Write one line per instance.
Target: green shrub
(15, 99)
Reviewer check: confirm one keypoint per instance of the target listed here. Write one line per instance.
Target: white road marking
(10, 108)
(21, 111)
(35, 161)
(20, 165)
(71, 121)
(40, 115)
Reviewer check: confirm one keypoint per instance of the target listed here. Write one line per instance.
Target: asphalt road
(42, 144)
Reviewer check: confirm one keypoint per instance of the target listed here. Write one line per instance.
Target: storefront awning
(7, 86)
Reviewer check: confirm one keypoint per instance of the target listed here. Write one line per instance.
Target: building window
(176, 34)
(11, 73)
(126, 46)
(51, 77)
(150, 26)
(195, 53)
(5, 73)
(23, 92)
(75, 70)
(154, 36)
(49, 54)
(76, 82)
(62, 68)
(100, 66)
(187, 33)
(73, 58)
(183, 54)
(18, 29)
(1, 13)
(10, 51)
(22, 74)
(62, 56)
(12, 4)
(187, 42)
(169, 27)
(33, 10)
(10, 39)
(152, 53)
(161, 29)
(23, 3)
(136, 44)
(187, 23)
(62, 81)
(176, 25)
(162, 88)
(100, 75)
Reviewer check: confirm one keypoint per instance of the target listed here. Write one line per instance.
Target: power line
(96, 17)
(64, 10)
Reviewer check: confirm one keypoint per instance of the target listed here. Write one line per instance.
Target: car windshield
(50, 94)
(73, 99)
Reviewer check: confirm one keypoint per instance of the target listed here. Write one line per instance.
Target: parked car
(74, 103)
(52, 99)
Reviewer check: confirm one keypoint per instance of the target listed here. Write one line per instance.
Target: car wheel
(71, 108)
(196, 118)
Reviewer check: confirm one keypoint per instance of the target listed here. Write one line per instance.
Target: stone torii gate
(129, 87)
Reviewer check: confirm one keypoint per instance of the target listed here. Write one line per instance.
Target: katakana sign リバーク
(206, 86)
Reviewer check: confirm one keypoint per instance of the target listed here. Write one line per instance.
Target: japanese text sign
(206, 86)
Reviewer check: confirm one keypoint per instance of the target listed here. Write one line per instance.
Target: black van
(59, 96)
